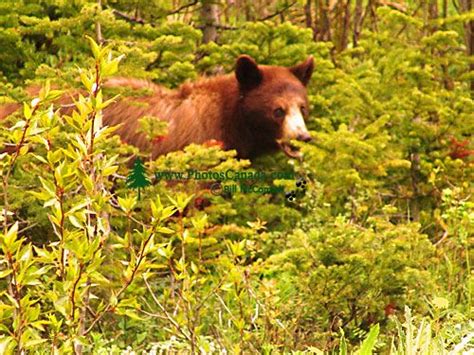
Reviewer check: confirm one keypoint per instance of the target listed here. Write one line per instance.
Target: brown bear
(256, 110)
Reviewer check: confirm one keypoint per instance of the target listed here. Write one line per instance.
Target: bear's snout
(294, 126)
(304, 137)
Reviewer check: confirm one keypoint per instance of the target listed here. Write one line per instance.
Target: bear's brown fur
(238, 110)
(255, 110)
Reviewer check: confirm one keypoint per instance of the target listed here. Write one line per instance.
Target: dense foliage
(372, 252)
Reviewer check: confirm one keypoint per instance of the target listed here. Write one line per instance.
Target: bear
(255, 110)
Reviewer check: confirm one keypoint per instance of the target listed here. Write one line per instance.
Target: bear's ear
(303, 71)
(247, 72)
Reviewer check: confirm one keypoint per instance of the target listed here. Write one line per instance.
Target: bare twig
(279, 12)
(168, 316)
(128, 17)
(222, 27)
(182, 7)
(445, 235)
(98, 26)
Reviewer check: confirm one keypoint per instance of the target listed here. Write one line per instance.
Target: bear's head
(274, 103)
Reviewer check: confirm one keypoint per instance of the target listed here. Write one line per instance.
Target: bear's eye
(279, 113)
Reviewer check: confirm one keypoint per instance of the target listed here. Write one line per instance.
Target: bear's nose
(305, 137)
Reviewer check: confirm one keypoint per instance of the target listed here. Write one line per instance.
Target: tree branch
(128, 17)
(182, 7)
(277, 13)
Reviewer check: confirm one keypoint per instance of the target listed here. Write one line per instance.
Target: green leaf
(34, 342)
(109, 170)
(75, 222)
(5, 273)
(10, 237)
(27, 111)
(368, 344)
(127, 204)
(86, 81)
(440, 302)
(94, 47)
(164, 230)
(342, 344)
